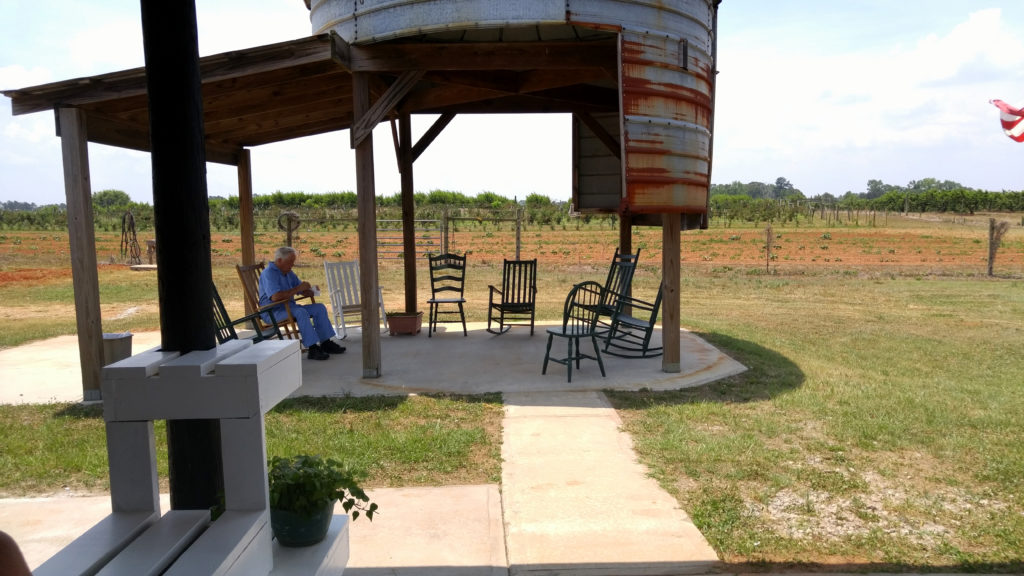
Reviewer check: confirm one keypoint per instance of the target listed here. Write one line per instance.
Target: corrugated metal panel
(666, 112)
(366, 21)
(597, 171)
(689, 20)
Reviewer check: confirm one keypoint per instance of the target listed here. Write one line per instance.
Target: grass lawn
(395, 441)
(880, 421)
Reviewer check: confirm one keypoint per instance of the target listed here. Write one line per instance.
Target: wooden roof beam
(384, 105)
(114, 132)
(214, 68)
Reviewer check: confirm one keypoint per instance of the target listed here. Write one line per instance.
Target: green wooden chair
(515, 303)
(618, 284)
(579, 317)
(632, 325)
(447, 280)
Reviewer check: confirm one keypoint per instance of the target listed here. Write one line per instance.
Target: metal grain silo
(650, 156)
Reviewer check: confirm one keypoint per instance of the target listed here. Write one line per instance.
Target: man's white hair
(284, 252)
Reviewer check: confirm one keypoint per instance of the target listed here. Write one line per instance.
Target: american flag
(1012, 119)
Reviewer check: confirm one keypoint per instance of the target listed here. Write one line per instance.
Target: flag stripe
(1012, 120)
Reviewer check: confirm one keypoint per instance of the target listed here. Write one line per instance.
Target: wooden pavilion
(321, 84)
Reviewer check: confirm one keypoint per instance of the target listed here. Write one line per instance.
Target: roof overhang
(303, 87)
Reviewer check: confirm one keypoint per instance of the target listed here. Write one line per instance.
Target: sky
(826, 93)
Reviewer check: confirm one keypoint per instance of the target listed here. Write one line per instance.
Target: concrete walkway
(573, 499)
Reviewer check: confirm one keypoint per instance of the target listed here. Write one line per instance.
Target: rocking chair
(632, 326)
(343, 290)
(250, 277)
(617, 285)
(516, 301)
(226, 326)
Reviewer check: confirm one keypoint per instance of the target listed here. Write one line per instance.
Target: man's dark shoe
(331, 347)
(317, 353)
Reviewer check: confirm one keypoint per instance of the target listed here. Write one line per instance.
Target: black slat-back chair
(631, 328)
(578, 321)
(515, 304)
(226, 326)
(447, 280)
(618, 284)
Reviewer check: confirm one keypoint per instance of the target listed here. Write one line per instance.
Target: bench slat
(227, 540)
(88, 553)
(153, 551)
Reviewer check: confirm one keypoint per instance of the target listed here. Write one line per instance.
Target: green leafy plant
(305, 483)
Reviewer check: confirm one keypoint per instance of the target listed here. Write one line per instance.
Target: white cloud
(789, 104)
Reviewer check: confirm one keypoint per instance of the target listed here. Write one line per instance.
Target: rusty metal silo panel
(597, 170)
(366, 21)
(666, 114)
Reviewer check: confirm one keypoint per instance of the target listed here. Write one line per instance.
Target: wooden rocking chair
(618, 284)
(250, 277)
(631, 329)
(343, 290)
(516, 301)
(226, 326)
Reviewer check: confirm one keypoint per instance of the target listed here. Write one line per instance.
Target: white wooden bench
(236, 383)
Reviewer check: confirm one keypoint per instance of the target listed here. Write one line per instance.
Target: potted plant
(405, 322)
(303, 490)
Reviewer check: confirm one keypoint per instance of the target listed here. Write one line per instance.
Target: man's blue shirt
(273, 281)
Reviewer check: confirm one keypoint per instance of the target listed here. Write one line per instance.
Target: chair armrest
(259, 315)
(631, 302)
(490, 296)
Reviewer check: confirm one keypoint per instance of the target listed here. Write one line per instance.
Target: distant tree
(107, 199)
(17, 206)
(782, 188)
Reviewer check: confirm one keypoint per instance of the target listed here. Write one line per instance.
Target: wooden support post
(625, 233)
(405, 162)
(670, 245)
(366, 202)
(181, 217)
(78, 192)
(246, 222)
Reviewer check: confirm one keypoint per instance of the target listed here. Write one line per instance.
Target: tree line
(332, 209)
(751, 201)
(781, 201)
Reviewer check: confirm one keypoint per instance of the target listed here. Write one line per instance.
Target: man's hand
(304, 289)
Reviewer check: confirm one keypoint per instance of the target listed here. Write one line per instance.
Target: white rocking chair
(343, 289)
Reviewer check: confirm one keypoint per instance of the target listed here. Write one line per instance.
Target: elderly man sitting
(279, 284)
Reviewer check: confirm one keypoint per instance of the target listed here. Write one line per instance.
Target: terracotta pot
(405, 323)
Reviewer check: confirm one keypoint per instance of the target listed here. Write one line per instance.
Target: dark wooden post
(78, 191)
(246, 224)
(405, 162)
(367, 213)
(670, 245)
(625, 233)
(181, 217)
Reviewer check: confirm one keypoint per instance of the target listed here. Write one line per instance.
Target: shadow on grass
(769, 374)
(80, 411)
(1011, 567)
(334, 404)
